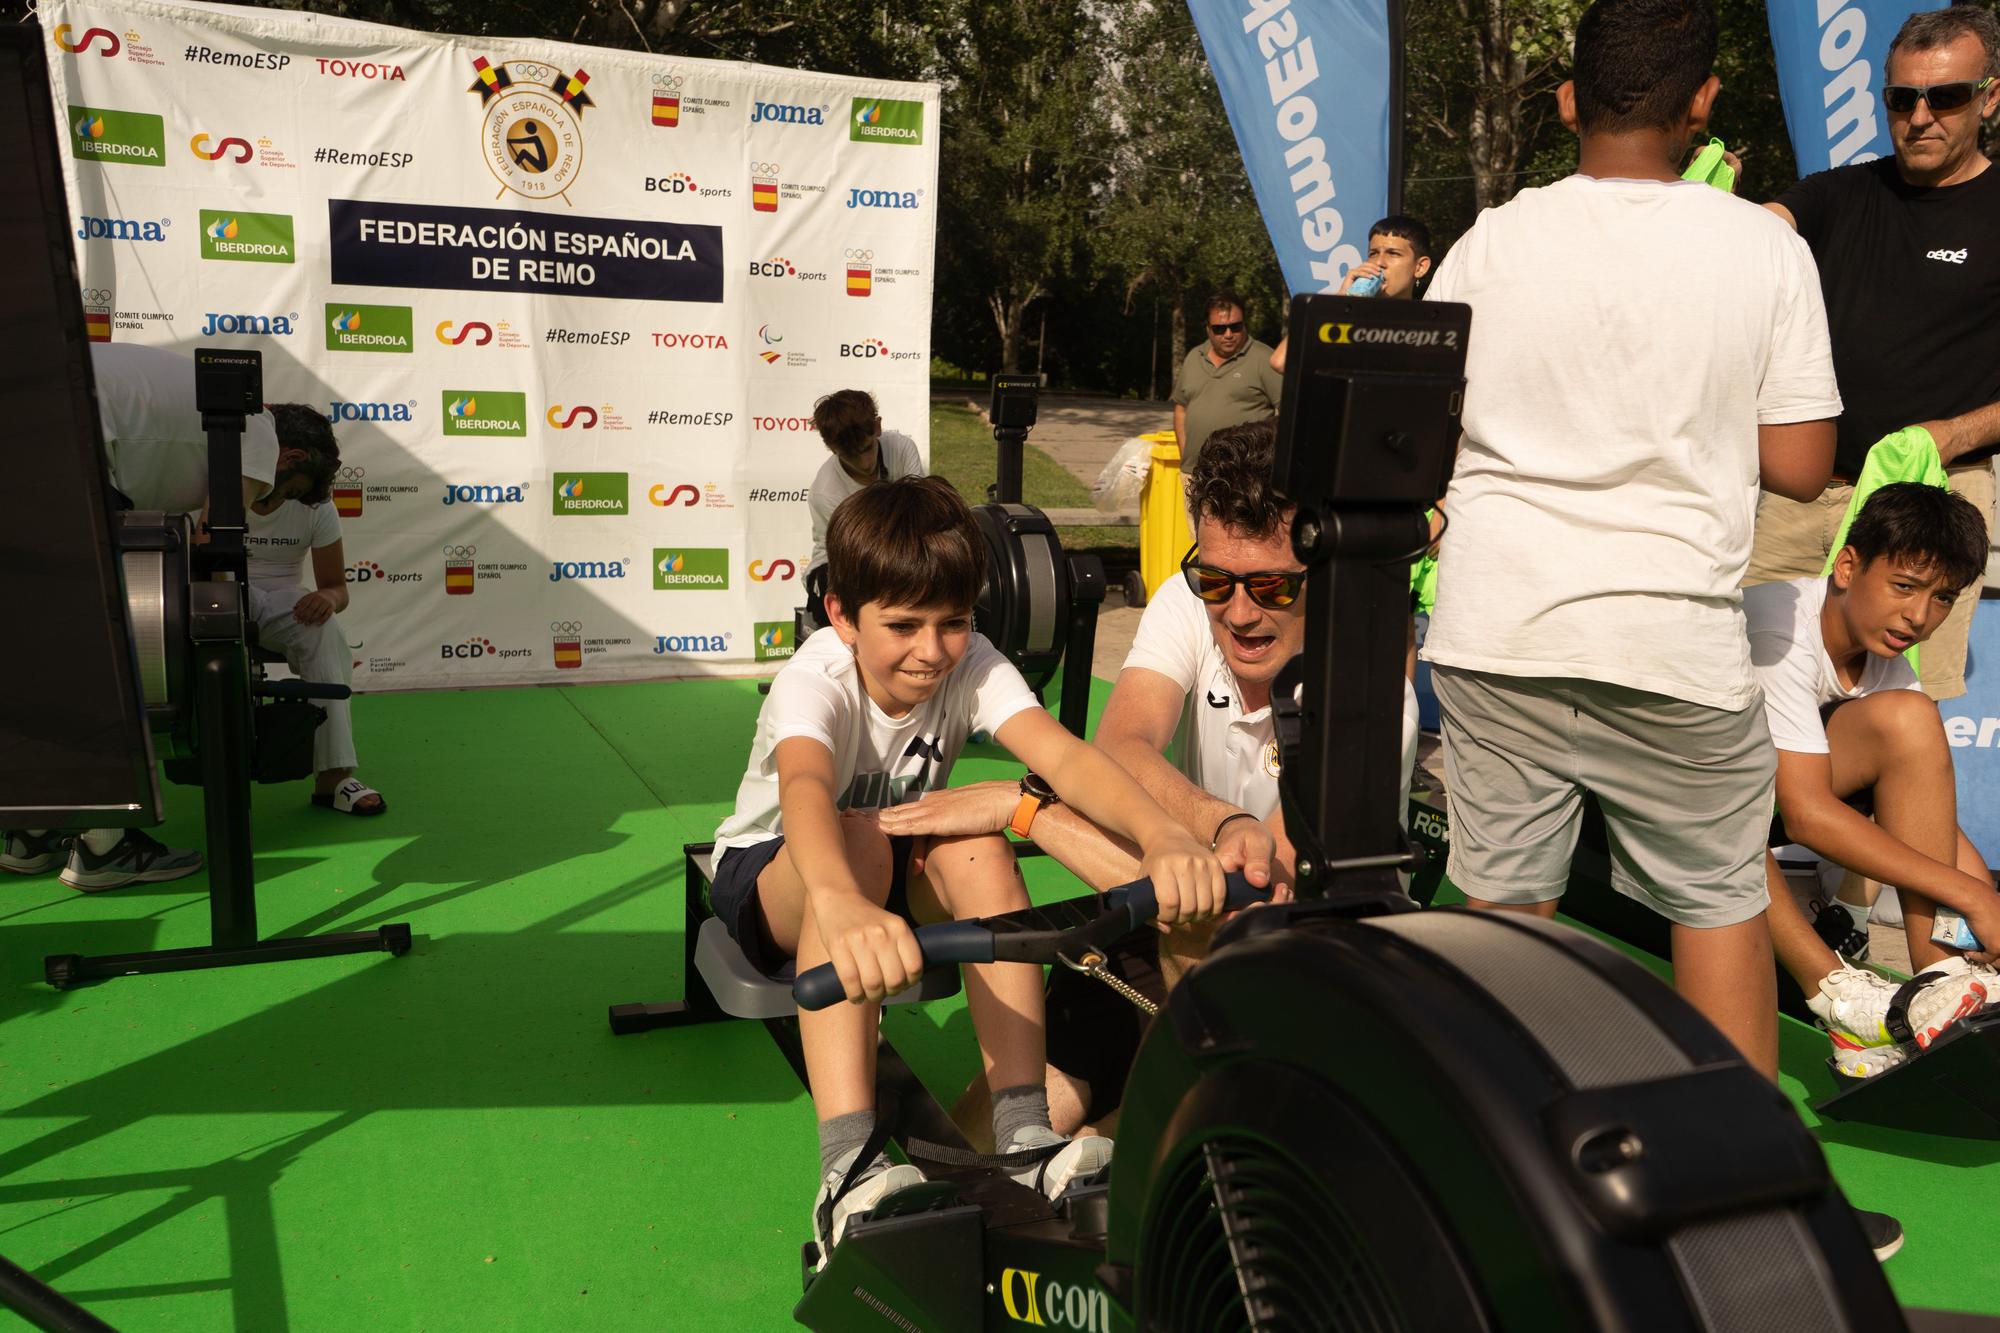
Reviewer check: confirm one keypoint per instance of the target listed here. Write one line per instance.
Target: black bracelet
(1240, 814)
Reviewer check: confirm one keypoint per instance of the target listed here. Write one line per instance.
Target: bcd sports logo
(531, 131)
(258, 238)
(487, 412)
(367, 571)
(869, 349)
(100, 134)
(478, 647)
(886, 120)
(368, 328)
(679, 568)
(775, 640)
(598, 494)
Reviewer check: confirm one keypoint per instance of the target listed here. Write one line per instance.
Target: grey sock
(100, 841)
(842, 1135)
(1016, 1109)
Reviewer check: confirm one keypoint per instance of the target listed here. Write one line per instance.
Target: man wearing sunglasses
(1226, 381)
(1190, 719)
(1909, 260)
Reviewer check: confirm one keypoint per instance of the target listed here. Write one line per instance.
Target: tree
(1023, 154)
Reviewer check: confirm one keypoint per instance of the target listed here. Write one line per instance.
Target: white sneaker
(877, 1183)
(1853, 1005)
(1052, 1175)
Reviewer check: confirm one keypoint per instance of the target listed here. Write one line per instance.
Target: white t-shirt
(1788, 650)
(1228, 753)
(1628, 338)
(152, 429)
(279, 542)
(877, 760)
(896, 457)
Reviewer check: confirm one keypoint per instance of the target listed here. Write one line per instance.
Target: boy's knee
(1904, 721)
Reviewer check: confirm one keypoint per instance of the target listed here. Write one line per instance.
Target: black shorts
(732, 897)
(1093, 1031)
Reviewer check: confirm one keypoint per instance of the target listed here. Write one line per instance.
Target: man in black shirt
(1909, 261)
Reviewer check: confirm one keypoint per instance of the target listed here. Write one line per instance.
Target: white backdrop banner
(567, 308)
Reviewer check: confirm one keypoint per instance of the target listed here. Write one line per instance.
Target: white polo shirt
(1227, 752)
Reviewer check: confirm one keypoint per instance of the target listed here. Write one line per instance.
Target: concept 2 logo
(1028, 1300)
(1345, 335)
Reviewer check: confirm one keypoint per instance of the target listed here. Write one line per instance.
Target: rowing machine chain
(1092, 965)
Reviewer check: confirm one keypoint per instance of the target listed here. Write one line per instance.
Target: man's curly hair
(1232, 484)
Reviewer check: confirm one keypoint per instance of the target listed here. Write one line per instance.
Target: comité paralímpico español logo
(531, 132)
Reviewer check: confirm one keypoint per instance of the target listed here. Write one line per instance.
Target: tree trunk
(1177, 346)
(1010, 317)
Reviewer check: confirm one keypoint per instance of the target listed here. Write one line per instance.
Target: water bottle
(1368, 286)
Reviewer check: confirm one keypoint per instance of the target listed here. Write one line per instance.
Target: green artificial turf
(963, 453)
(453, 1139)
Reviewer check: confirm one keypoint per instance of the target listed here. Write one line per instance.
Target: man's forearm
(1958, 438)
(1100, 859)
(1188, 805)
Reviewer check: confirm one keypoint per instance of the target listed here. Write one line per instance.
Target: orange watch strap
(1024, 815)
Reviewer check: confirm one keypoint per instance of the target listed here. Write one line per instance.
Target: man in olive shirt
(1226, 381)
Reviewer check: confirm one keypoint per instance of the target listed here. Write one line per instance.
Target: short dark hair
(1932, 28)
(1232, 483)
(1222, 298)
(845, 419)
(1927, 526)
(302, 427)
(1640, 62)
(907, 542)
(1407, 227)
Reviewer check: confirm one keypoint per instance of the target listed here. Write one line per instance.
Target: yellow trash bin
(1164, 535)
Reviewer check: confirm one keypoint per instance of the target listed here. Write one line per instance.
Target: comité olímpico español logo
(531, 130)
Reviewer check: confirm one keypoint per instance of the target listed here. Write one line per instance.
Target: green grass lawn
(964, 454)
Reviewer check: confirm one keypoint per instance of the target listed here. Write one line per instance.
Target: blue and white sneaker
(137, 859)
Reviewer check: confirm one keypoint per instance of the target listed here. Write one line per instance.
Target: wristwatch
(1035, 793)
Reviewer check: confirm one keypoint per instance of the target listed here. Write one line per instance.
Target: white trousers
(316, 653)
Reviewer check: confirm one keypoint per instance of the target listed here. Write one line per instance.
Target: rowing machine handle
(972, 941)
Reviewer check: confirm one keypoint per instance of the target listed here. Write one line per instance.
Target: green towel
(1708, 166)
(1905, 455)
(1424, 576)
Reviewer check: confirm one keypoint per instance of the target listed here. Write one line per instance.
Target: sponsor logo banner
(775, 640)
(600, 494)
(886, 120)
(256, 238)
(679, 568)
(368, 328)
(101, 134)
(504, 250)
(485, 412)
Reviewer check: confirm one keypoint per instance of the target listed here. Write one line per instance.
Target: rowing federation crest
(532, 129)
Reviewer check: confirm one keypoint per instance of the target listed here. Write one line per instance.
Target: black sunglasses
(1237, 327)
(1901, 98)
(1272, 589)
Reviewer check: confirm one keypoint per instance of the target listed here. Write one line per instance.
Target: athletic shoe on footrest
(1853, 1005)
(834, 1209)
(27, 853)
(1885, 1233)
(1081, 1159)
(136, 859)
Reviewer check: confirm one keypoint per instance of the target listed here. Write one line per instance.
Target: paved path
(1081, 431)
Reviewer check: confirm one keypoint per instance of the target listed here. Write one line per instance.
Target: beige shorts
(1794, 540)
(1686, 792)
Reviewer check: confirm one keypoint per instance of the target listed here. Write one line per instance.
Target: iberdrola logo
(368, 328)
(586, 494)
(531, 130)
(103, 135)
(677, 569)
(257, 238)
(485, 412)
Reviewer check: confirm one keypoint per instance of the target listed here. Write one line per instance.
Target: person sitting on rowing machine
(872, 712)
(1856, 735)
(1190, 719)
